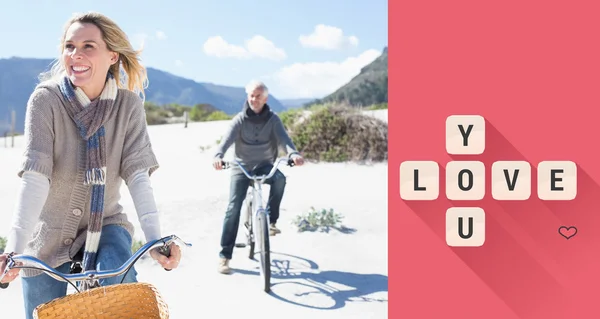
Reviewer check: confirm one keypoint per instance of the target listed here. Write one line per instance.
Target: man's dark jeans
(238, 190)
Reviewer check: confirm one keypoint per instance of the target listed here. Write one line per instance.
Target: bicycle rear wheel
(265, 249)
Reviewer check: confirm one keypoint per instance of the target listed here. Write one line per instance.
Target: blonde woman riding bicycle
(85, 134)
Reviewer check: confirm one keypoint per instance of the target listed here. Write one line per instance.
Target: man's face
(256, 100)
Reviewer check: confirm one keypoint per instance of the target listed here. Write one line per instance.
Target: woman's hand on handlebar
(12, 274)
(167, 262)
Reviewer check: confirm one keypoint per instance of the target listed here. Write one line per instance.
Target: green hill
(369, 87)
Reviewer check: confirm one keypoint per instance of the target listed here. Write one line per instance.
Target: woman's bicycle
(129, 300)
(257, 220)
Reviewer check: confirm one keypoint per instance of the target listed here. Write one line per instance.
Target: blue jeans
(114, 249)
(238, 190)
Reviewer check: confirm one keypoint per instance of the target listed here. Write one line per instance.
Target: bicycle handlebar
(261, 178)
(13, 261)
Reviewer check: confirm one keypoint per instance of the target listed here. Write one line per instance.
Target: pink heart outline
(564, 231)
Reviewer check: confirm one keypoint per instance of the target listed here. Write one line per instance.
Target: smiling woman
(86, 58)
(91, 46)
(85, 130)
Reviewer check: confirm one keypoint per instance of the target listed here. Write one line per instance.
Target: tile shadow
(508, 268)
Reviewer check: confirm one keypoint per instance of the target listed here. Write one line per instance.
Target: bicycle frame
(255, 200)
(255, 193)
(90, 276)
(254, 228)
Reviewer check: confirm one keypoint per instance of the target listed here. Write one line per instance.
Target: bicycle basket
(130, 300)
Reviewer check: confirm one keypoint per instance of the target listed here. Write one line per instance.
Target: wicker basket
(130, 300)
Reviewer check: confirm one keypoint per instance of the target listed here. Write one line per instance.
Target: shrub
(289, 117)
(200, 112)
(323, 220)
(174, 113)
(380, 106)
(317, 220)
(338, 133)
(218, 116)
(156, 118)
(2, 244)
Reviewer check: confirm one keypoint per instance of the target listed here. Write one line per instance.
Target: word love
(467, 179)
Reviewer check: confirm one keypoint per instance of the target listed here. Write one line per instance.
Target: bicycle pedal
(240, 245)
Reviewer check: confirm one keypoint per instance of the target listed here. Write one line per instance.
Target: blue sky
(299, 49)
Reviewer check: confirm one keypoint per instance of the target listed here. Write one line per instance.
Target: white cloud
(318, 79)
(161, 35)
(260, 46)
(257, 46)
(218, 47)
(138, 40)
(328, 38)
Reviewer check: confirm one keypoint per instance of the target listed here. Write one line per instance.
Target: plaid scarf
(90, 117)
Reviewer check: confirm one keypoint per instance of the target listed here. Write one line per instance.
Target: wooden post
(6, 131)
(13, 116)
(185, 115)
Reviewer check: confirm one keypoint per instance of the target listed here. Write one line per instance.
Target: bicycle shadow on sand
(299, 281)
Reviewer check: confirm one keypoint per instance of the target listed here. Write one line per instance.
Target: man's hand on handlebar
(297, 159)
(293, 160)
(11, 275)
(218, 163)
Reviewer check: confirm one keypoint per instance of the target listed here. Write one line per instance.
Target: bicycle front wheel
(265, 250)
(249, 231)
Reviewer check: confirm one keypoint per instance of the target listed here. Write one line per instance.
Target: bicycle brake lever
(165, 251)
(224, 164)
(2, 275)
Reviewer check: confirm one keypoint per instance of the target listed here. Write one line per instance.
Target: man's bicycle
(257, 220)
(129, 300)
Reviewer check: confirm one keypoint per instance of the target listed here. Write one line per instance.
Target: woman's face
(86, 58)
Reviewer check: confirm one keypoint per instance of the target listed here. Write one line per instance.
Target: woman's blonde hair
(128, 71)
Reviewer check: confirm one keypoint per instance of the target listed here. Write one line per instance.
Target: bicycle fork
(248, 224)
(250, 227)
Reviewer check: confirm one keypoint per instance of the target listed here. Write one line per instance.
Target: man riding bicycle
(257, 133)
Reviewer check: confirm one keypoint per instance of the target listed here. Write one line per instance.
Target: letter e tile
(557, 180)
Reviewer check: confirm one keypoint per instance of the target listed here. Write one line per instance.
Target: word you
(466, 180)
